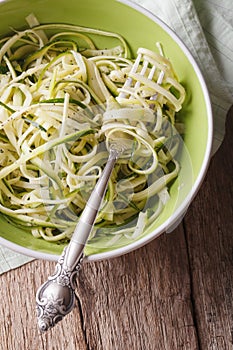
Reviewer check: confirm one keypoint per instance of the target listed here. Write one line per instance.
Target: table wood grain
(174, 293)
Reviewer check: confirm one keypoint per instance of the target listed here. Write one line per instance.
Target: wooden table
(174, 293)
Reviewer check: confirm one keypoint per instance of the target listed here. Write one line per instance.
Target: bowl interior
(140, 30)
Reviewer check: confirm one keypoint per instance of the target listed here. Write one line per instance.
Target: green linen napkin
(206, 28)
(10, 259)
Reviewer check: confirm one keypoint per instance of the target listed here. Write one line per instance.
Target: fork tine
(142, 72)
(129, 80)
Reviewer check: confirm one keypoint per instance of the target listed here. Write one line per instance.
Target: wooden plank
(18, 325)
(141, 300)
(138, 301)
(209, 225)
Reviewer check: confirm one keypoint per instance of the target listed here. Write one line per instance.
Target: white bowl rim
(177, 215)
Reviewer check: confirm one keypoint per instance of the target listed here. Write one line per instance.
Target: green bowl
(141, 29)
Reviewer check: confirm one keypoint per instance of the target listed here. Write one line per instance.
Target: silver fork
(56, 297)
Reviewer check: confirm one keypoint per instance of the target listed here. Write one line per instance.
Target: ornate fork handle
(56, 297)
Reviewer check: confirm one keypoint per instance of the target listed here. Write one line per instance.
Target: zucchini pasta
(62, 100)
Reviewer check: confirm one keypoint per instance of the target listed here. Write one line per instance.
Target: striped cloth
(10, 259)
(206, 27)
